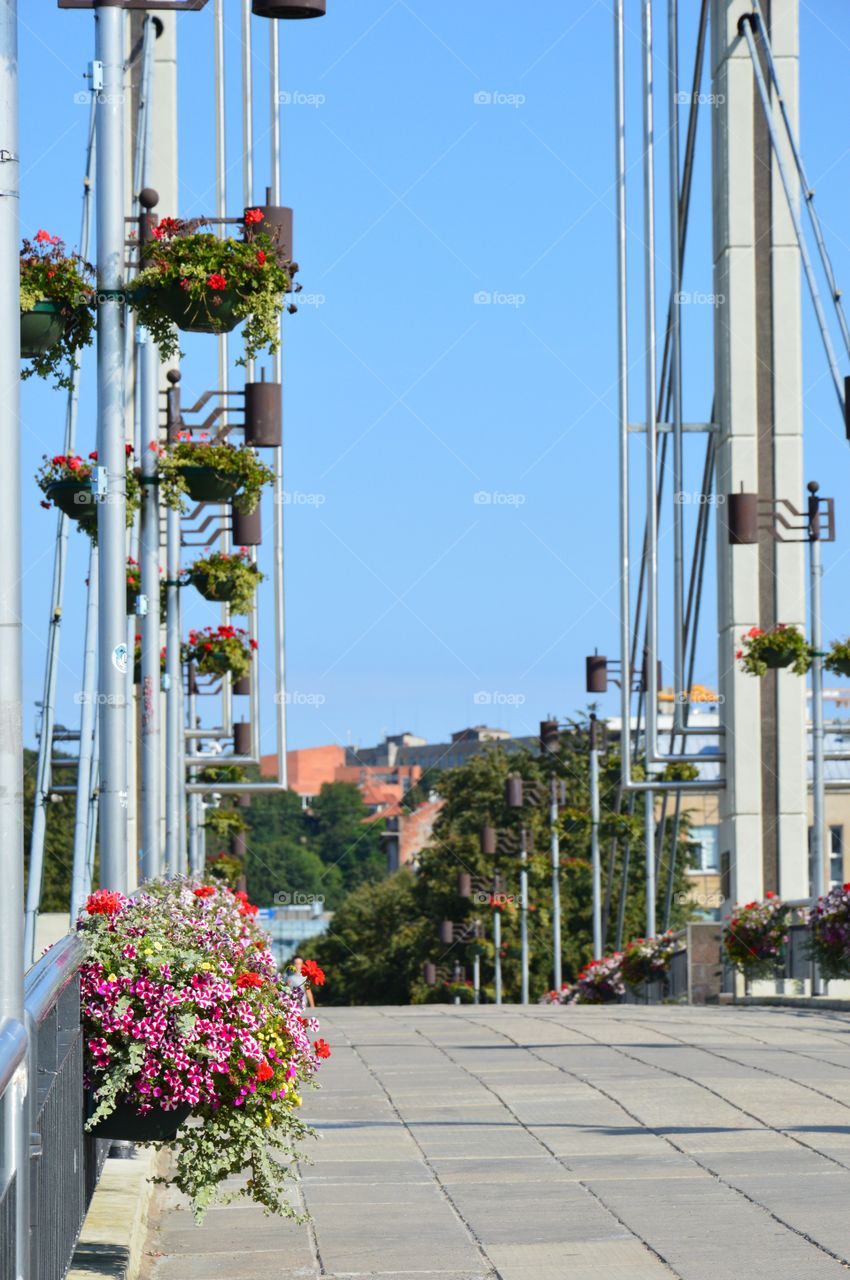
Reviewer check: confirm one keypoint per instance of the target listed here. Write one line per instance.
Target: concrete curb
(795, 1002)
(114, 1231)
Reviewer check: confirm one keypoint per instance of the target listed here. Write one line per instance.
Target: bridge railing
(41, 1081)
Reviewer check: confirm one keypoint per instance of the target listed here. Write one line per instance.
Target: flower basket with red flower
(829, 932)
(219, 650)
(208, 472)
(67, 482)
(134, 586)
(600, 982)
(57, 308)
(648, 959)
(204, 283)
(756, 935)
(229, 578)
(763, 651)
(185, 1014)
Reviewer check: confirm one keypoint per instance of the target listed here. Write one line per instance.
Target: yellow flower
(296, 1098)
(111, 977)
(206, 965)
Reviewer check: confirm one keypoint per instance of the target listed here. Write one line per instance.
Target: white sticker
(119, 658)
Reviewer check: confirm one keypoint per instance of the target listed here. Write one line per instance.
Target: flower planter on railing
(124, 1124)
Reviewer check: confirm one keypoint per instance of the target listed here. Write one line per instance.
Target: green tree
(346, 835)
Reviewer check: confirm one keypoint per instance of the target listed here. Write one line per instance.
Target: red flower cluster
(249, 979)
(104, 903)
(253, 216)
(313, 973)
(217, 281)
(321, 1048)
(265, 1071)
(261, 257)
(44, 237)
(246, 908)
(205, 891)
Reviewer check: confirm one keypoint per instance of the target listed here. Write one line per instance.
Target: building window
(835, 848)
(704, 849)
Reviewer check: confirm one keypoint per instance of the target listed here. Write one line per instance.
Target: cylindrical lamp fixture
(596, 668)
(464, 885)
(241, 739)
(244, 801)
(239, 844)
(550, 739)
(513, 791)
(242, 686)
(429, 973)
(742, 518)
(246, 529)
(263, 415)
(447, 933)
(289, 8)
(489, 840)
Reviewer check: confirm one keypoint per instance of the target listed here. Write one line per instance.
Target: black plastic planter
(263, 415)
(247, 528)
(289, 8)
(125, 1124)
(776, 661)
(41, 328)
(221, 592)
(213, 314)
(205, 484)
(74, 497)
(841, 666)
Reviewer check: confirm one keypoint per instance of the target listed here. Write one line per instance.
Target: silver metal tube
(88, 716)
(476, 978)
(194, 800)
(150, 744)
(820, 877)
(795, 216)
(497, 955)
(247, 109)
(523, 914)
(174, 776)
(649, 827)
(91, 834)
(111, 523)
(676, 366)
(651, 454)
(279, 531)
(555, 851)
(221, 212)
(11, 739)
(595, 859)
(622, 392)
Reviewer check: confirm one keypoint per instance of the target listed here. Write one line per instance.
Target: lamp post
(514, 800)
(489, 846)
(550, 741)
(596, 738)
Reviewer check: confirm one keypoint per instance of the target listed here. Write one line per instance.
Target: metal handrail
(13, 1050)
(49, 976)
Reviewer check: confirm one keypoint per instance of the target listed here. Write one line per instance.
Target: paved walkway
(558, 1144)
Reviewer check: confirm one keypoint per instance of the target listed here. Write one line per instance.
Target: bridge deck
(556, 1144)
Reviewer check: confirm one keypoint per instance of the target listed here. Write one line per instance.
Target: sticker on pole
(119, 658)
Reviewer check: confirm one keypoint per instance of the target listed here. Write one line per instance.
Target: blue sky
(434, 153)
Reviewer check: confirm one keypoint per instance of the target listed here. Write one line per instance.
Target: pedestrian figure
(296, 979)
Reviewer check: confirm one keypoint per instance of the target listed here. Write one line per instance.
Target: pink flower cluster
(180, 995)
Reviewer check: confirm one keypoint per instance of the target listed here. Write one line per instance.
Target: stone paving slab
(625, 1143)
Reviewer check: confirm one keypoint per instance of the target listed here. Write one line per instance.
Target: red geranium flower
(251, 216)
(205, 891)
(217, 281)
(249, 979)
(321, 1048)
(265, 1071)
(313, 973)
(261, 257)
(103, 903)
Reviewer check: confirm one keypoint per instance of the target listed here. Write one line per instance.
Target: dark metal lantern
(242, 739)
(488, 841)
(289, 8)
(263, 414)
(742, 518)
(596, 667)
(247, 529)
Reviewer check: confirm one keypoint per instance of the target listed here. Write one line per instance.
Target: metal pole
(194, 799)
(555, 849)
(623, 394)
(476, 978)
(596, 865)
(151, 843)
(523, 912)
(649, 826)
(174, 777)
(111, 523)
(497, 954)
(16, 1156)
(650, 657)
(277, 552)
(676, 366)
(820, 878)
(88, 719)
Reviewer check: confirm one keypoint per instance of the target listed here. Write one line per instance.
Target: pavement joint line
(690, 1156)
(590, 1191)
(426, 1160)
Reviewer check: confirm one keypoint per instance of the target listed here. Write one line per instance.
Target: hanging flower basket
(783, 647)
(829, 932)
(756, 935)
(208, 472)
(42, 327)
(838, 659)
(218, 650)
(67, 483)
(648, 959)
(203, 283)
(57, 308)
(227, 579)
